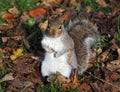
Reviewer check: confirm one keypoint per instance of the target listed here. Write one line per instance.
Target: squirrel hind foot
(82, 70)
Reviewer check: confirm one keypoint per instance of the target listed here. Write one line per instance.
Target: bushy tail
(88, 34)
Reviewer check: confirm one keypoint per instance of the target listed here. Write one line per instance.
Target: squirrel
(67, 48)
(59, 49)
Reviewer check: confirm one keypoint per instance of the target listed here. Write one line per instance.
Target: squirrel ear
(43, 26)
(62, 27)
(70, 23)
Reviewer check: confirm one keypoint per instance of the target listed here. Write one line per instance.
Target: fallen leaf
(51, 2)
(66, 83)
(114, 76)
(74, 78)
(13, 57)
(13, 11)
(17, 82)
(113, 65)
(17, 53)
(96, 87)
(4, 39)
(43, 26)
(59, 1)
(28, 84)
(102, 3)
(99, 50)
(7, 77)
(7, 49)
(118, 51)
(88, 9)
(70, 86)
(116, 3)
(74, 3)
(37, 12)
(60, 79)
(85, 87)
(7, 16)
(104, 55)
(25, 16)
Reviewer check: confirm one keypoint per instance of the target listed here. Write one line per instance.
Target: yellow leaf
(99, 50)
(18, 52)
(13, 57)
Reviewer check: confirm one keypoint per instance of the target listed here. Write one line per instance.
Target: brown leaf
(113, 65)
(74, 3)
(116, 4)
(60, 79)
(44, 25)
(85, 87)
(66, 83)
(59, 1)
(17, 83)
(116, 9)
(74, 78)
(69, 15)
(51, 2)
(89, 9)
(7, 16)
(70, 86)
(96, 87)
(102, 3)
(13, 11)
(5, 39)
(28, 84)
(105, 55)
(25, 16)
(118, 50)
(114, 76)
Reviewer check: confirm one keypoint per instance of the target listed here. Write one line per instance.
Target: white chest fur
(54, 43)
(51, 64)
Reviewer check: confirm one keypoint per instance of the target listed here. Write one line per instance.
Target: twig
(103, 80)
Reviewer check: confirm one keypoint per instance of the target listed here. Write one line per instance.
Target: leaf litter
(16, 53)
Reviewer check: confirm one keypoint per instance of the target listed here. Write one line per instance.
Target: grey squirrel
(59, 49)
(67, 48)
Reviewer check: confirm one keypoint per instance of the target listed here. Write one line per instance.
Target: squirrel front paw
(48, 49)
(56, 55)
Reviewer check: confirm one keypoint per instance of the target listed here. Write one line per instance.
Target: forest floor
(20, 38)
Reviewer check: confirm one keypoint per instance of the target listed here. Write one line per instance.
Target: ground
(20, 38)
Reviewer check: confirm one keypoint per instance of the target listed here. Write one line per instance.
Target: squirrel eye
(48, 26)
(59, 27)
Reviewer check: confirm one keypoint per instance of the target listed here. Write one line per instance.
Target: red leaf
(37, 12)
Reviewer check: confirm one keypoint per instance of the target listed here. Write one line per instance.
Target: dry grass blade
(7, 77)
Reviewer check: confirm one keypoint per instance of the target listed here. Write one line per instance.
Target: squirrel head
(53, 27)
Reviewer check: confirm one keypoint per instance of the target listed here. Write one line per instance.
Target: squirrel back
(84, 35)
